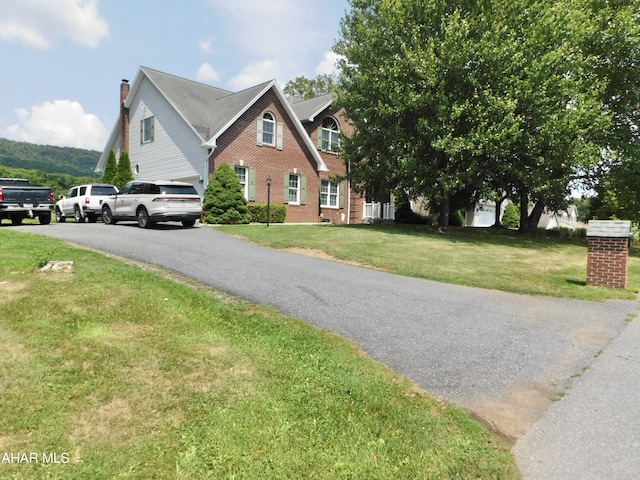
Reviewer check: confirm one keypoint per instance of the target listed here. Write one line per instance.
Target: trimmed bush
(123, 173)
(110, 168)
(223, 199)
(511, 217)
(258, 213)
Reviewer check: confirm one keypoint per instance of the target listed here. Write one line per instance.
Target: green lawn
(122, 372)
(477, 257)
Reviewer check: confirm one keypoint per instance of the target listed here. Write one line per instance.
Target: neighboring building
(178, 129)
(484, 214)
(561, 219)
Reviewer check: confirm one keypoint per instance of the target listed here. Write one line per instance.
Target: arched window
(329, 135)
(268, 129)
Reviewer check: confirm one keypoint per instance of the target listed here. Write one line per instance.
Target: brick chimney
(124, 116)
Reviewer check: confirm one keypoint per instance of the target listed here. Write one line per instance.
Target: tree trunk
(497, 223)
(524, 215)
(534, 217)
(443, 212)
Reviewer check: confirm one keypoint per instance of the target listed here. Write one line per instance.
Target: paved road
(501, 356)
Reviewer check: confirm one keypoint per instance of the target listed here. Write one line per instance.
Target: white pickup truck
(83, 201)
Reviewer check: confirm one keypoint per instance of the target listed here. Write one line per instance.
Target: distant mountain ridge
(48, 158)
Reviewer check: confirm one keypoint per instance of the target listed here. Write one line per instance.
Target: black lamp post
(268, 199)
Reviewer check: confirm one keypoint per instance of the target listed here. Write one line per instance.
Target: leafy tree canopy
(48, 158)
(485, 97)
(309, 88)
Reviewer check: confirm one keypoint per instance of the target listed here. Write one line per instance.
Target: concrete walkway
(593, 433)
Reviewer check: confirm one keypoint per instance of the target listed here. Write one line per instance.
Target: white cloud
(283, 26)
(328, 64)
(63, 123)
(41, 24)
(206, 46)
(207, 74)
(255, 73)
(280, 38)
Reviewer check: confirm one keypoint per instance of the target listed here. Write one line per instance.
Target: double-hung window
(147, 127)
(270, 132)
(329, 194)
(329, 135)
(294, 189)
(268, 129)
(247, 178)
(243, 178)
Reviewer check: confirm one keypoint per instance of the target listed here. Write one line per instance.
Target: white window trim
(273, 131)
(144, 138)
(297, 200)
(245, 186)
(329, 194)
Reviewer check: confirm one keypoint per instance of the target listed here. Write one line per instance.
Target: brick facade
(237, 146)
(353, 209)
(607, 262)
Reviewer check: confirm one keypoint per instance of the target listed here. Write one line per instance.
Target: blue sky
(63, 60)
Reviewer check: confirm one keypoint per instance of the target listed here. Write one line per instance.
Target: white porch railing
(377, 210)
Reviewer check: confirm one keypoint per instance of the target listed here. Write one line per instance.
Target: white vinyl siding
(175, 156)
(147, 129)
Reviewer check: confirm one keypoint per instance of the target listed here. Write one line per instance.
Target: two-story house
(178, 129)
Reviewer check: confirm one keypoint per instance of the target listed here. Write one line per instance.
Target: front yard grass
(476, 257)
(124, 373)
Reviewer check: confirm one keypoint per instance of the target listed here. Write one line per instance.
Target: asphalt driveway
(503, 357)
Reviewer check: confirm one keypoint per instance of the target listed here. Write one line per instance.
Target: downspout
(349, 193)
(205, 180)
(348, 202)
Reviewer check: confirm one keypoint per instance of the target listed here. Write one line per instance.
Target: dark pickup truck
(19, 200)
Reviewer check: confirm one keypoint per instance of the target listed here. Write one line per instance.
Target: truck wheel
(107, 216)
(16, 220)
(188, 223)
(60, 218)
(143, 218)
(45, 218)
(77, 214)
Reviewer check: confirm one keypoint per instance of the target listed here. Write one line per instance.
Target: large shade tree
(481, 97)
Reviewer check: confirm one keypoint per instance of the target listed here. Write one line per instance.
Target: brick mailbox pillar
(608, 253)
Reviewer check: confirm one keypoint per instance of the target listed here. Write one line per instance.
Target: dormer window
(269, 131)
(329, 135)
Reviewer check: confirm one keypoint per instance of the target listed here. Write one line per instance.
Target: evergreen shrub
(258, 213)
(223, 199)
(511, 216)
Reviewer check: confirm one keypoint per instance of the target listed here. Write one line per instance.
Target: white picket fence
(377, 210)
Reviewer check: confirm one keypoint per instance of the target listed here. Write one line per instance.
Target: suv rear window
(103, 190)
(178, 189)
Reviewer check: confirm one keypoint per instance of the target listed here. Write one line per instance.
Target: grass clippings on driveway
(476, 257)
(123, 373)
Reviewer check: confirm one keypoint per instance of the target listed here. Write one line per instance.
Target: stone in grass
(58, 265)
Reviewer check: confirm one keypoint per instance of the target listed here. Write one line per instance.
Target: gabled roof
(308, 110)
(210, 111)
